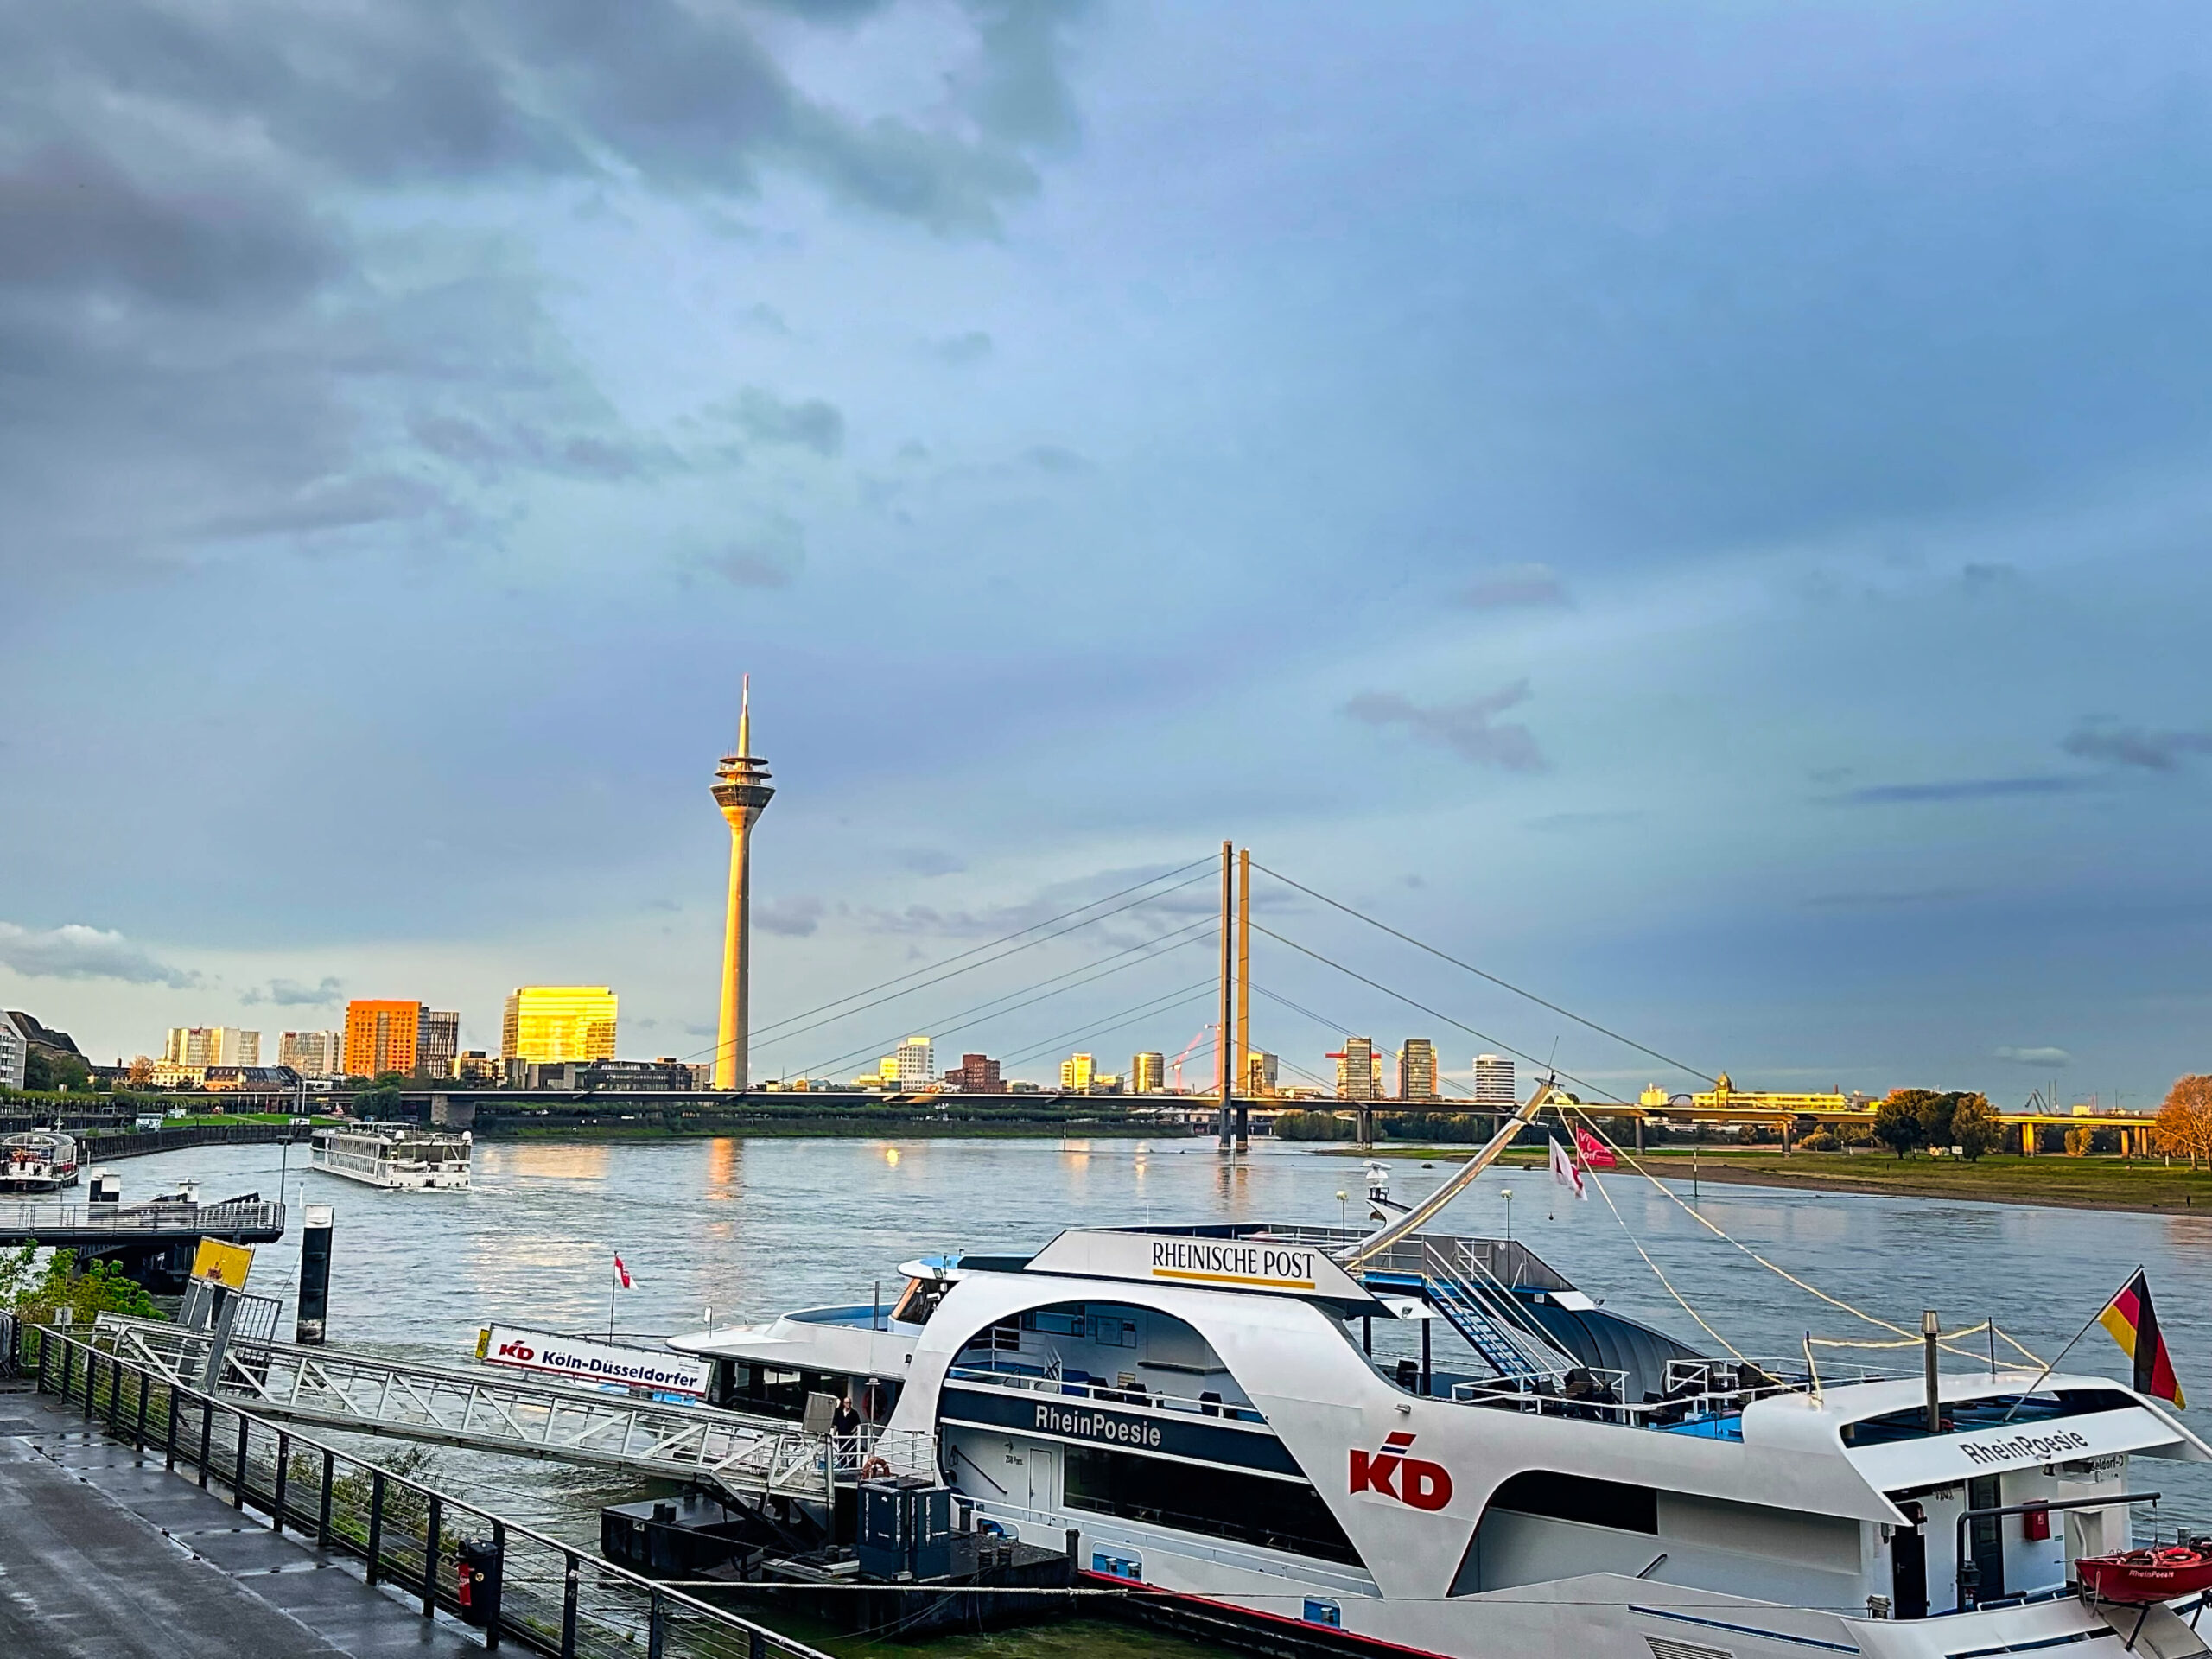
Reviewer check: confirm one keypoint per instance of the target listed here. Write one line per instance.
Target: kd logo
(1414, 1481)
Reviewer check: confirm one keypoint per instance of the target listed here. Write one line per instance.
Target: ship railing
(1106, 1393)
(1695, 1391)
(558, 1598)
(1507, 1260)
(28, 1217)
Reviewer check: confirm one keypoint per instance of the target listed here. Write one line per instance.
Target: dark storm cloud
(1516, 585)
(75, 952)
(1960, 789)
(794, 917)
(1469, 729)
(201, 335)
(2136, 746)
(290, 993)
(806, 424)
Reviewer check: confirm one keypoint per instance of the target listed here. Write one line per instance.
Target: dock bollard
(314, 1274)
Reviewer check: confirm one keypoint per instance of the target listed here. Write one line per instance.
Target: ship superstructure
(1449, 1449)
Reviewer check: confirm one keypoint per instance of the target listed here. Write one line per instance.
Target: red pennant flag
(622, 1273)
(1596, 1155)
(2134, 1325)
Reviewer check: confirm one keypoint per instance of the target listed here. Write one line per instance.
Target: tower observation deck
(742, 790)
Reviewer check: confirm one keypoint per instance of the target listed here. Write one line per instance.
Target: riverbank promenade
(108, 1555)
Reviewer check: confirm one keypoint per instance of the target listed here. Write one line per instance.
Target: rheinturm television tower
(742, 791)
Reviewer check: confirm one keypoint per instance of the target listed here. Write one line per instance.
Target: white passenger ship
(401, 1157)
(1202, 1411)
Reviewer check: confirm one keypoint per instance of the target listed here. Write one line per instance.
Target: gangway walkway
(746, 1455)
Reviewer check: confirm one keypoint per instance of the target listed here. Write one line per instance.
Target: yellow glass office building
(558, 1022)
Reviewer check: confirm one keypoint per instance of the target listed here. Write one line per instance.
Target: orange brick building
(382, 1036)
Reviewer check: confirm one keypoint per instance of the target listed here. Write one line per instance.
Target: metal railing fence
(556, 1598)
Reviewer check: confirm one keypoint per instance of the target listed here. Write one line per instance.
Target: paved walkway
(104, 1554)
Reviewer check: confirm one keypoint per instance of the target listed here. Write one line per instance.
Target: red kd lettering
(1427, 1485)
(1372, 1474)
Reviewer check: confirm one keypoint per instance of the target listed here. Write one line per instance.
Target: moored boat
(38, 1161)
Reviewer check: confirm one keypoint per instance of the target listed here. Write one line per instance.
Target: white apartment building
(1494, 1084)
(313, 1053)
(206, 1045)
(14, 1051)
(916, 1068)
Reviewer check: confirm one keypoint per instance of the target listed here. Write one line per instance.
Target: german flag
(2134, 1325)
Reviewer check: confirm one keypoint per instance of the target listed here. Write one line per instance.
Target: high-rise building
(1147, 1073)
(13, 1052)
(917, 1065)
(1494, 1082)
(550, 1023)
(312, 1053)
(440, 1042)
(474, 1066)
(1358, 1069)
(198, 1046)
(1417, 1069)
(742, 790)
(382, 1036)
(977, 1074)
(1260, 1070)
(1078, 1072)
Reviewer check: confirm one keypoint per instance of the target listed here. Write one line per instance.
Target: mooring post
(314, 1274)
(375, 1520)
(430, 1531)
(283, 1468)
(238, 1477)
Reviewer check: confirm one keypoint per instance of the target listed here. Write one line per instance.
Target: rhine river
(749, 1228)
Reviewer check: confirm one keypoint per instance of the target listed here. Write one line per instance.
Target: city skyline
(1739, 530)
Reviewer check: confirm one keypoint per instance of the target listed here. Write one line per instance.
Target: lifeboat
(2137, 1576)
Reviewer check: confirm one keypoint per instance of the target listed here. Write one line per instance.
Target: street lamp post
(1506, 1192)
(1342, 1225)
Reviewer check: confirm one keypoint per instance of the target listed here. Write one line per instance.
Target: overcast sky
(1698, 509)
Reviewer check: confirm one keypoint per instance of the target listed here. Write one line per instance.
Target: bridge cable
(1503, 984)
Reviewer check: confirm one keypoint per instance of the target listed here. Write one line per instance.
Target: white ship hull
(1206, 1432)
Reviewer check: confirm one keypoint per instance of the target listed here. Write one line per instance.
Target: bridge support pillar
(1639, 1135)
(1366, 1125)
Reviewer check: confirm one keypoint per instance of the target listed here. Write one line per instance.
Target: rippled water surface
(748, 1228)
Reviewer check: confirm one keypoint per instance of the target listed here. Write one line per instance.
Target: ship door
(1986, 1537)
(1909, 1567)
(1044, 1478)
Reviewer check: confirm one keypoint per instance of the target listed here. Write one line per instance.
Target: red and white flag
(1565, 1173)
(1596, 1155)
(623, 1272)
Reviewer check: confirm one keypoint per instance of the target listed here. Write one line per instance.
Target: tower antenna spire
(745, 716)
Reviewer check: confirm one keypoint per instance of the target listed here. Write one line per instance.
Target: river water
(751, 1227)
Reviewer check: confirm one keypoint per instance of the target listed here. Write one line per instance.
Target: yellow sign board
(222, 1264)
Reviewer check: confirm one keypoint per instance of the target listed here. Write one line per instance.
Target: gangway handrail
(745, 1455)
(654, 1596)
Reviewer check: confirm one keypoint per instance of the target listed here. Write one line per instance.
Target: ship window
(1577, 1497)
(1282, 1514)
(1052, 1325)
(1110, 1331)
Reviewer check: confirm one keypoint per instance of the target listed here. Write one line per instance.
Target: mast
(1243, 1049)
(1225, 1031)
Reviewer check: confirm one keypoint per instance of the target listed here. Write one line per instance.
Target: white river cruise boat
(38, 1161)
(402, 1157)
(1308, 1440)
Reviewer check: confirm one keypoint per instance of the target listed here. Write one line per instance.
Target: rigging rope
(1598, 1133)
(1502, 984)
